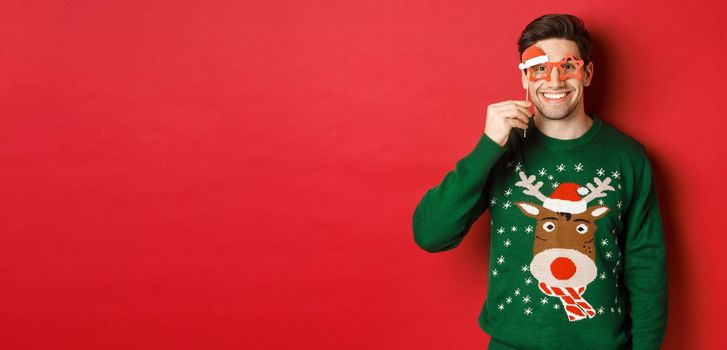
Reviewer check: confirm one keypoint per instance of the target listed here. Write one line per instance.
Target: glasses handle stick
(525, 132)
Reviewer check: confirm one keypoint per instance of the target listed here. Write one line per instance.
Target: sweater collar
(561, 144)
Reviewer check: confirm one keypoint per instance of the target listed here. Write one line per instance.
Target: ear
(530, 209)
(598, 211)
(589, 74)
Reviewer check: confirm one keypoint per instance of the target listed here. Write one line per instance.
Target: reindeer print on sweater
(562, 222)
(563, 249)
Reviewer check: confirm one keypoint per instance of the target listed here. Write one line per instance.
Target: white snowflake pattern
(509, 164)
(544, 300)
(542, 172)
(528, 281)
(508, 192)
(494, 272)
(501, 307)
(600, 172)
(612, 309)
(501, 260)
(524, 268)
(526, 299)
(619, 186)
(507, 205)
(528, 311)
(493, 201)
(579, 167)
(556, 306)
(561, 167)
(604, 242)
(609, 254)
(603, 275)
(555, 184)
(513, 229)
(501, 230)
(615, 174)
(508, 300)
(529, 229)
(507, 243)
(618, 204)
(600, 201)
(600, 310)
(550, 177)
(518, 167)
(517, 292)
(619, 309)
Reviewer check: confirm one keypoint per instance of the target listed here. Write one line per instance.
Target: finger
(524, 111)
(520, 119)
(516, 102)
(522, 103)
(516, 123)
(515, 113)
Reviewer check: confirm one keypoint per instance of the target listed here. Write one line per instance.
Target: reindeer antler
(597, 191)
(530, 188)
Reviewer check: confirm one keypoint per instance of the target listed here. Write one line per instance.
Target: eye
(549, 226)
(582, 228)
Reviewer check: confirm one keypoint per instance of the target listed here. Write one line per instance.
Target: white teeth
(554, 96)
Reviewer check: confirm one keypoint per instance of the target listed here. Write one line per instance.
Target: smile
(555, 98)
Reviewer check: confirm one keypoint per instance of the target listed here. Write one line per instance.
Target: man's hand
(503, 116)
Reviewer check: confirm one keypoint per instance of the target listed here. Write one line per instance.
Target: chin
(555, 117)
(557, 114)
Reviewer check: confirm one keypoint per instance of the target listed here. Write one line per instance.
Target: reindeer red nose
(563, 268)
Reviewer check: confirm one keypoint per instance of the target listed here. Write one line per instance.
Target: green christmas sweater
(577, 255)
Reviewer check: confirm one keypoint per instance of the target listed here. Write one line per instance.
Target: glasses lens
(569, 67)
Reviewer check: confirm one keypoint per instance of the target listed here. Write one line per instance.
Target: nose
(555, 77)
(562, 268)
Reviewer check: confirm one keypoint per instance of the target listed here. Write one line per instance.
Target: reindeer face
(564, 230)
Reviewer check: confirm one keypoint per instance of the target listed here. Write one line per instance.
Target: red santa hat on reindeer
(567, 199)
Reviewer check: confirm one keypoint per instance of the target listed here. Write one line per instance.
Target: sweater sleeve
(645, 274)
(447, 211)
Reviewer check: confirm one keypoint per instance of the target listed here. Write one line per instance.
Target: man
(577, 251)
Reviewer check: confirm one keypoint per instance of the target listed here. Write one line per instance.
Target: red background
(225, 174)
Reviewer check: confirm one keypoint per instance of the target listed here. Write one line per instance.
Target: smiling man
(577, 253)
(558, 85)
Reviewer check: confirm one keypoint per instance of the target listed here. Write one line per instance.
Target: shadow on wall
(679, 334)
(596, 96)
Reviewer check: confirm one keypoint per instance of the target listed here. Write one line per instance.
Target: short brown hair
(556, 25)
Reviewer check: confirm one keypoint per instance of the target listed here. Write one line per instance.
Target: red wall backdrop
(228, 175)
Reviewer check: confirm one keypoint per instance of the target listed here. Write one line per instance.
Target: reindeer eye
(549, 226)
(582, 228)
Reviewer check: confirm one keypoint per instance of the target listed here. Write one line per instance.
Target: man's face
(558, 108)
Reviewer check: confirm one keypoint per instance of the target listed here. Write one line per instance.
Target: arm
(446, 212)
(645, 274)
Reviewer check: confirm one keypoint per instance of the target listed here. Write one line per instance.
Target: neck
(572, 126)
